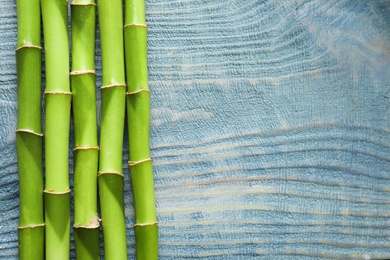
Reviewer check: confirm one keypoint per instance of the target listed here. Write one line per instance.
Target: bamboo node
(78, 3)
(94, 223)
(136, 25)
(29, 46)
(110, 172)
(51, 191)
(31, 226)
(113, 85)
(146, 224)
(133, 163)
(138, 91)
(28, 131)
(77, 148)
(81, 72)
(55, 92)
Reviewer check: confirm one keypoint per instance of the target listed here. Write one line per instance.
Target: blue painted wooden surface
(270, 129)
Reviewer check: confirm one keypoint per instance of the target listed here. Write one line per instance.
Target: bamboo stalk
(57, 114)
(110, 177)
(138, 112)
(29, 131)
(83, 81)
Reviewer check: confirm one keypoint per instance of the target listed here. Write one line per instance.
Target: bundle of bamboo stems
(48, 235)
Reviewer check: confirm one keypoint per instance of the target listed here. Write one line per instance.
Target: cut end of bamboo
(94, 223)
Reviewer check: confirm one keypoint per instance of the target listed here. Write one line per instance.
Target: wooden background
(270, 129)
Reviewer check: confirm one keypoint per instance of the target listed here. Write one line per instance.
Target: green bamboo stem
(110, 177)
(29, 131)
(138, 112)
(83, 81)
(57, 114)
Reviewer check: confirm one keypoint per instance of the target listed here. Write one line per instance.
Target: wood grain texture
(270, 129)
